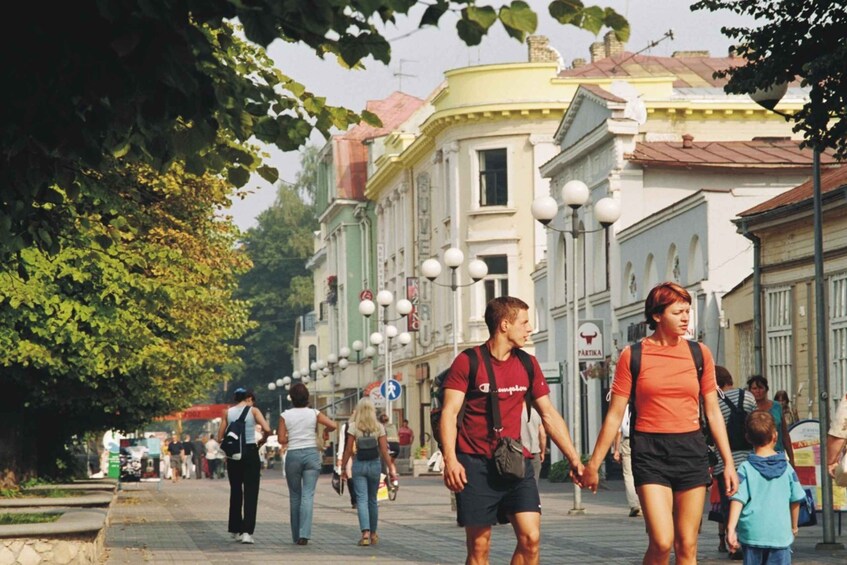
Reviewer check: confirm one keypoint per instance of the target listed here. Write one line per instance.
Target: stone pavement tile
(186, 523)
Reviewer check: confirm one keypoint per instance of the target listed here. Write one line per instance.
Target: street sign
(394, 390)
(590, 341)
(554, 380)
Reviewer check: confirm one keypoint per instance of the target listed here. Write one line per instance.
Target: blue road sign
(394, 390)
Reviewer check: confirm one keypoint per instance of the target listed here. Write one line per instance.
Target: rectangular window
(780, 342)
(838, 337)
(493, 181)
(497, 280)
(744, 351)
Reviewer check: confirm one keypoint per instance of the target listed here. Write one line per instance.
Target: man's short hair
(723, 376)
(760, 428)
(662, 296)
(502, 308)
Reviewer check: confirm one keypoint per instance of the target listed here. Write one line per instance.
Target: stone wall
(61, 551)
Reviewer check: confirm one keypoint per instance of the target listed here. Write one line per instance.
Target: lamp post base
(825, 546)
(576, 512)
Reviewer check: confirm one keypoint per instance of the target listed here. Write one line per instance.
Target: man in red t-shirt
(407, 436)
(483, 497)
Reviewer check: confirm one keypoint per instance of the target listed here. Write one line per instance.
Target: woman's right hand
(590, 478)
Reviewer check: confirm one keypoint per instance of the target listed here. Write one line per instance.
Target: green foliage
(29, 518)
(559, 470)
(156, 84)
(794, 39)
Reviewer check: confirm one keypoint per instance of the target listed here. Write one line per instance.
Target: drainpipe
(757, 297)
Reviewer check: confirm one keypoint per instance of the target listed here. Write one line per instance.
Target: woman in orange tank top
(669, 461)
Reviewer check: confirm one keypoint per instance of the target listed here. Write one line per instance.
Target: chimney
(611, 45)
(538, 47)
(577, 63)
(687, 54)
(687, 141)
(598, 51)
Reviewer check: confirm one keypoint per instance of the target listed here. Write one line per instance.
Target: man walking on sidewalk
(485, 497)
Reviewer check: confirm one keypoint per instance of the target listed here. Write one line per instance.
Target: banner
(806, 441)
(139, 459)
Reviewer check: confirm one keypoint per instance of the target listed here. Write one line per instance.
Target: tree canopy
(174, 82)
(794, 40)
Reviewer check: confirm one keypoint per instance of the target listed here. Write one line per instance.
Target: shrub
(560, 469)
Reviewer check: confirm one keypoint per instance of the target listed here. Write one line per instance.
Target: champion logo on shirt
(485, 387)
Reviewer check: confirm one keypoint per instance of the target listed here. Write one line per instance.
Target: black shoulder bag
(508, 455)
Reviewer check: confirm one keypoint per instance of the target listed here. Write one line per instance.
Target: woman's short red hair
(661, 296)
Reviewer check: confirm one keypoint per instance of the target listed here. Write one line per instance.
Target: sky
(426, 54)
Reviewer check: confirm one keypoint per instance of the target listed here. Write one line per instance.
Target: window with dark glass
(496, 282)
(493, 178)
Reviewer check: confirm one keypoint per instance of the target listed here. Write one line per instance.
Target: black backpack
(635, 368)
(233, 442)
(736, 426)
(437, 392)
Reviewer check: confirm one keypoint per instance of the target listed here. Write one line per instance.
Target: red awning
(198, 412)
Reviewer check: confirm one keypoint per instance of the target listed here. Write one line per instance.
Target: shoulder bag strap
(244, 412)
(634, 369)
(492, 391)
(526, 361)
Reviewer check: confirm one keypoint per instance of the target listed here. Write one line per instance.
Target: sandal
(374, 539)
(365, 541)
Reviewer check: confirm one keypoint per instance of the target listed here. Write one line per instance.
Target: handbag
(807, 511)
(508, 455)
(337, 483)
(840, 475)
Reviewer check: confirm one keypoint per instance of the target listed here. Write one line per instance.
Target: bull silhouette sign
(590, 340)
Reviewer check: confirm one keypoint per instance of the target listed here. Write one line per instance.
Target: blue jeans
(766, 555)
(302, 467)
(366, 483)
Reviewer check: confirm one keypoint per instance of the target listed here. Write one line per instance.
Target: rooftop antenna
(668, 35)
(400, 74)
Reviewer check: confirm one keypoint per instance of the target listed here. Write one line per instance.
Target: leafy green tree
(132, 321)
(794, 39)
(279, 287)
(173, 82)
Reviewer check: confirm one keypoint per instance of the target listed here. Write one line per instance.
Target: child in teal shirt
(763, 513)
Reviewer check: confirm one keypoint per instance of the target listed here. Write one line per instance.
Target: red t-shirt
(667, 396)
(476, 436)
(405, 434)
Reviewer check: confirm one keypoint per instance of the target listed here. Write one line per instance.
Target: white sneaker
(246, 538)
(235, 537)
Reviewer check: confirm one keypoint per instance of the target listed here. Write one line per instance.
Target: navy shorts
(678, 461)
(489, 499)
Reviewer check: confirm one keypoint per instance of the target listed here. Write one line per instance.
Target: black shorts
(489, 499)
(678, 461)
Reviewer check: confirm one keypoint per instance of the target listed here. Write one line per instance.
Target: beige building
(782, 229)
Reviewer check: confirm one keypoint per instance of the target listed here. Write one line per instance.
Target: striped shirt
(738, 457)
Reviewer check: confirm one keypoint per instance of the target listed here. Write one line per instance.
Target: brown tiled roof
(393, 111)
(830, 180)
(759, 152)
(689, 71)
(602, 93)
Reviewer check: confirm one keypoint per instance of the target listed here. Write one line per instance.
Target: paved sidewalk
(186, 523)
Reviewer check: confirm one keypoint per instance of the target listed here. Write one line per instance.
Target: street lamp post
(575, 194)
(454, 258)
(278, 384)
(768, 98)
(366, 308)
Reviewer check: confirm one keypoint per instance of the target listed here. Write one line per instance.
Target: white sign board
(590, 341)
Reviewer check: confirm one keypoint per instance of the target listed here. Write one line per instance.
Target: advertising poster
(806, 441)
(139, 459)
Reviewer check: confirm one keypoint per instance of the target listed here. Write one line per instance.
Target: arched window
(630, 285)
(673, 272)
(696, 268)
(651, 274)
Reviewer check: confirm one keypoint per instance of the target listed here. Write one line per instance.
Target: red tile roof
(689, 71)
(393, 111)
(759, 152)
(830, 181)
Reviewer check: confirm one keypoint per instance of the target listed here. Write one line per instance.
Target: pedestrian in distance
(175, 453)
(733, 398)
(534, 439)
(342, 444)
(407, 436)
(758, 385)
(763, 514)
(243, 473)
(484, 496)
(213, 456)
(298, 428)
(187, 456)
(789, 413)
(670, 464)
(368, 435)
(198, 455)
(623, 455)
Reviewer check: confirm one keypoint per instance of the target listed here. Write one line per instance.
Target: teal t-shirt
(776, 412)
(766, 516)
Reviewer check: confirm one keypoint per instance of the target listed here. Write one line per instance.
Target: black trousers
(243, 490)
